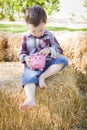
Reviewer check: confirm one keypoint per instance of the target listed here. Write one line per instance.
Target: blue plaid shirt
(31, 44)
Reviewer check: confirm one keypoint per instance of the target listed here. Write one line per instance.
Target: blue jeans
(32, 76)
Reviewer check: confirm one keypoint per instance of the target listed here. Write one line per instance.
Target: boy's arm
(23, 50)
(55, 48)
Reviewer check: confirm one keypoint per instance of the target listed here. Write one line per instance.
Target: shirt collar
(45, 33)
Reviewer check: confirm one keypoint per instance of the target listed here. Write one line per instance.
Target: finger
(41, 51)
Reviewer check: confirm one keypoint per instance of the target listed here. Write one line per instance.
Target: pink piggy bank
(37, 61)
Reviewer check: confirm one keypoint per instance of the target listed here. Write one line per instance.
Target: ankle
(30, 99)
(42, 76)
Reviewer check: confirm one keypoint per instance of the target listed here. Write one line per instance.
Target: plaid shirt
(31, 44)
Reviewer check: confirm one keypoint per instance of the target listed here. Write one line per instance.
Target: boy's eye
(41, 30)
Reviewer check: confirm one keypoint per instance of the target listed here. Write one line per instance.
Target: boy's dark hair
(35, 15)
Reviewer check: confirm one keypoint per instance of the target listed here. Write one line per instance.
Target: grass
(65, 28)
(17, 28)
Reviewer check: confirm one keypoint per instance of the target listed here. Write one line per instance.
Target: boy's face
(37, 31)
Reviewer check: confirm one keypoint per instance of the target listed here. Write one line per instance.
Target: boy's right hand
(27, 61)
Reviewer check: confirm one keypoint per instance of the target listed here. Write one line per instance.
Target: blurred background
(65, 12)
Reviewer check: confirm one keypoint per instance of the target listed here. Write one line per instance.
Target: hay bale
(75, 47)
(60, 105)
(9, 46)
(14, 41)
(3, 46)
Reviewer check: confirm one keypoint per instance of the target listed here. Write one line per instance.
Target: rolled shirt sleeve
(55, 48)
(23, 50)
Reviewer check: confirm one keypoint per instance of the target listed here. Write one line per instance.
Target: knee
(63, 60)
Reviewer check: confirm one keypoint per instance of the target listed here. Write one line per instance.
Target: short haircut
(35, 15)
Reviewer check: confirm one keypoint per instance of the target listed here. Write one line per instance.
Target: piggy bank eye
(39, 57)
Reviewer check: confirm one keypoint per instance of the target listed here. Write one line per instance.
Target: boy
(39, 40)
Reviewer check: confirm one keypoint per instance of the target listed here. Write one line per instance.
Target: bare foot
(42, 82)
(27, 104)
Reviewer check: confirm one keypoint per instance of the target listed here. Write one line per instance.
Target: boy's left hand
(45, 51)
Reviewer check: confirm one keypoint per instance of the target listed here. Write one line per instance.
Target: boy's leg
(53, 69)
(30, 95)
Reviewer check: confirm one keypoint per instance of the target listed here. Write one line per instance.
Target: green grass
(17, 28)
(65, 28)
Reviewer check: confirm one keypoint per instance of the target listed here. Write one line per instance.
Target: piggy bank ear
(44, 55)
